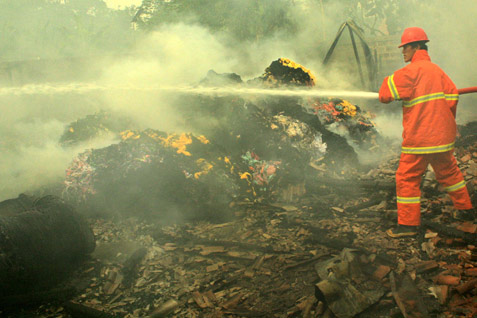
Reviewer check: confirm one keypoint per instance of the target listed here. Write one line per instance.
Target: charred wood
(364, 205)
(165, 309)
(130, 265)
(396, 296)
(306, 262)
(469, 285)
(243, 313)
(186, 239)
(469, 238)
(82, 311)
(408, 297)
(317, 182)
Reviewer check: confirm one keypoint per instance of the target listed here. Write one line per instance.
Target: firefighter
(429, 129)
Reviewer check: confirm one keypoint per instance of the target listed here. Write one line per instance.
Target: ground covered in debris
(285, 259)
(285, 220)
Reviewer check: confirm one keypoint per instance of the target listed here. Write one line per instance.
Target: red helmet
(413, 34)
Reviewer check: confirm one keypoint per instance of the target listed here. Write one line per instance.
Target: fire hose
(467, 90)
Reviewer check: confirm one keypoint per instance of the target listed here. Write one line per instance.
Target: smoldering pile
(94, 126)
(257, 150)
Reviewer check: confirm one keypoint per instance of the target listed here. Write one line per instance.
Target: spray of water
(81, 88)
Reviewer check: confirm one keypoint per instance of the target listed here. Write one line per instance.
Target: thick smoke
(181, 53)
(451, 29)
(174, 55)
(30, 156)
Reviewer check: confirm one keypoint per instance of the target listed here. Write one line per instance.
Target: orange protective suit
(429, 129)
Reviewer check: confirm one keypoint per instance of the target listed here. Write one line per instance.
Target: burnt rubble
(265, 213)
(251, 154)
(323, 255)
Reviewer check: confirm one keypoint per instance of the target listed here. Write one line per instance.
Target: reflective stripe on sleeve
(455, 187)
(452, 96)
(408, 200)
(392, 87)
(424, 98)
(426, 150)
(429, 97)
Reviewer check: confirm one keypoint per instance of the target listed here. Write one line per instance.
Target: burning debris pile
(356, 123)
(284, 72)
(163, 173)
(152, 172)
(255, 151)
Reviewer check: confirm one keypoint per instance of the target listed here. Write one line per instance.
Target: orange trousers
(408, 182)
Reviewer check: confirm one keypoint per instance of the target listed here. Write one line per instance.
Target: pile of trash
(285, 72)
(342, 115)
(149, 172)
(93, 126)
(280, 73)
(240, 150)
(162, 173)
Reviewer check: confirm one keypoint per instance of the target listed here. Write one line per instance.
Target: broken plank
(469, 238)
(364, 205)
(469, 285)
(165, 309)
(243, 313)
(396, 295)
(426, 266)
(305, 262)
(132, 262)
(234, 301)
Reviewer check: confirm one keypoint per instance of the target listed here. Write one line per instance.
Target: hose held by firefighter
(429, 102)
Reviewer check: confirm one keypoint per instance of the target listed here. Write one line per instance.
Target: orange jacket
(429, 105)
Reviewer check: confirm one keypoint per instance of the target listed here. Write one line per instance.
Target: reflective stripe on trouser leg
(409, 214)
(450, 177)
(461, 199)
(408, 181)
(409, 209)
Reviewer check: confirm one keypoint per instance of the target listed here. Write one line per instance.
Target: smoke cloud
(174, 55)
(181, 53)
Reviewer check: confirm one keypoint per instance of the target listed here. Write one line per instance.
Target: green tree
(51, 29)
(242, 19)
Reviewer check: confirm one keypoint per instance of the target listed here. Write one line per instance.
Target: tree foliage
(258, 19)
(242, 19)
(33, 29)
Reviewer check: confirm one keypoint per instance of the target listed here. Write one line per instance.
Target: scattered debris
(295, 227)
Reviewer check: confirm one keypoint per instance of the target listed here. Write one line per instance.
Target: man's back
(429, 101)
